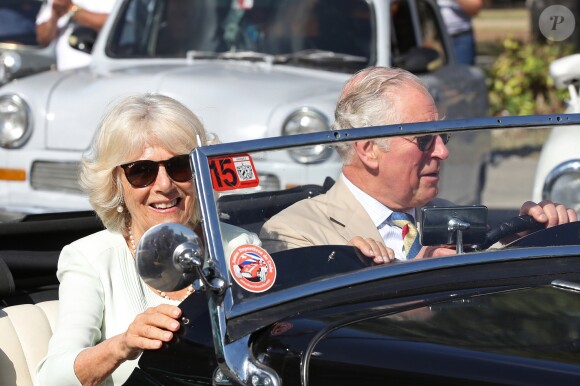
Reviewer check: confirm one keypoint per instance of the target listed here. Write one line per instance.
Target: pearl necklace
(163, 294)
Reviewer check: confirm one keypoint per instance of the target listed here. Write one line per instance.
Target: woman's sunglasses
(144, 172)
(426, 142)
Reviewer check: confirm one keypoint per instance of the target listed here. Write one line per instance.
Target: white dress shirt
(380, 215)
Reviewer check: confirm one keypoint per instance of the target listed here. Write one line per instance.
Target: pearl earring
(120, 209)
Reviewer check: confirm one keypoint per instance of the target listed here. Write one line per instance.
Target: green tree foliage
(519, 82)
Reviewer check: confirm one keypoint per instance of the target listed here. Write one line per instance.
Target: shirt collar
(378, 212)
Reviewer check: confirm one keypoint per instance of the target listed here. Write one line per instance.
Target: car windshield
(335, 34)
(235, 191)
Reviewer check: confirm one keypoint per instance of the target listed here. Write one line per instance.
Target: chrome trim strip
(557, 172)
(565, 284)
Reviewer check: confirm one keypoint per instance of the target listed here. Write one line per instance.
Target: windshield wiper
(247, 55)
(194, 54)
(321, 56)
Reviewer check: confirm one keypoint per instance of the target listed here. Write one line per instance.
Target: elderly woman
(137, 175)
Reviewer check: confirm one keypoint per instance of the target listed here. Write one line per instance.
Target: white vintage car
(558, 171)
(249, 69)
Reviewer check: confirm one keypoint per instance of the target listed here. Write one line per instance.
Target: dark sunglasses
(426, 142)
(144, 172)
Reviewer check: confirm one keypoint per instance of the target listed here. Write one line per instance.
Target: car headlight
(14, 121)
(562, 185)
(304, 121)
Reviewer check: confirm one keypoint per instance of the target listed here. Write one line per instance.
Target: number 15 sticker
(233, 172)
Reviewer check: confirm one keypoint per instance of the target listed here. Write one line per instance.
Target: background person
(380, 177)
(17, 22)
(137, 175)
(58, 18)
(457, 15)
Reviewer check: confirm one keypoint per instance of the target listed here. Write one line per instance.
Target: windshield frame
(211, 222)
(233, 323)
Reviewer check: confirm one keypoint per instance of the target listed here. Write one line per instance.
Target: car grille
(55, 176)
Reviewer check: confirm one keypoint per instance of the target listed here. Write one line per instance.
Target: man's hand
(548, 213)
(437, 251)
(61, 7)
(374, 249)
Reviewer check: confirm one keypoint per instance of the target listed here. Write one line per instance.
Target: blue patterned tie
(411, 242)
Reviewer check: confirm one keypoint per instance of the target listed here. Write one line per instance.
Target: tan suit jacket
(333, 218)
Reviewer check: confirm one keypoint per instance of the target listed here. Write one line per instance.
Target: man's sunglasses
(143, 173)
(426, 142)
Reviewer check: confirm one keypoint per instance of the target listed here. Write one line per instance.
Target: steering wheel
(508, 228)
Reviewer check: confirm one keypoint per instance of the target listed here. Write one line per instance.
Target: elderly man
(382, 180)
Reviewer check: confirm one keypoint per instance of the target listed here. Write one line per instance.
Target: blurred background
(516, 58)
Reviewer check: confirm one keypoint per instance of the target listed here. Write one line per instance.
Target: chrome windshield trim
(336, 136)
(235, 360)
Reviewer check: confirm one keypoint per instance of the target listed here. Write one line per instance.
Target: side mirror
(83, 39)
(169, 256)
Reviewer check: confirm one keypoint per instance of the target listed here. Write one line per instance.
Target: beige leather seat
(24, 334)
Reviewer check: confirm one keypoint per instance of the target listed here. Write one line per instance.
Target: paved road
(509, 184)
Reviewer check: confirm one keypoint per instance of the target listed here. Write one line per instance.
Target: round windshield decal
(252, 268)
(280, 328)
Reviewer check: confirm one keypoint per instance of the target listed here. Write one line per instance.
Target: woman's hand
(376, 250)
(150, 330)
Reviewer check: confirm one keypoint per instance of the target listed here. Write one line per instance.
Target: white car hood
(233, 99)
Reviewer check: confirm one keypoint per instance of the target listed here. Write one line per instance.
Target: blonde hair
(125, 130)
(367, 99)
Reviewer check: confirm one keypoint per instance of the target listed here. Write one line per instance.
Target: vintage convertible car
(248, 69)
(325, 315)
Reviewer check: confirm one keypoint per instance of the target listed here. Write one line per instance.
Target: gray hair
(367, 99)
(125, 130)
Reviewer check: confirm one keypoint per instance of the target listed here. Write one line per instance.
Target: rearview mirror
(457, 225)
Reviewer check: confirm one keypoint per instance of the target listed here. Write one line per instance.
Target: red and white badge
(252, 268)
(233, 172)
(245, 4)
